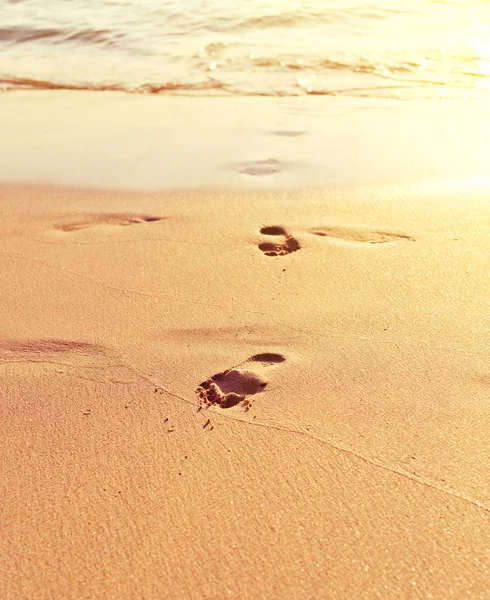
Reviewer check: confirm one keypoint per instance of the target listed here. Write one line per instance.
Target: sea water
(385, 48)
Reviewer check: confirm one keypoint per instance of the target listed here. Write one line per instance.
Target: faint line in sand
(327, 441)
(113, 241)
(124, 290)
(292, 430)
(233, 309)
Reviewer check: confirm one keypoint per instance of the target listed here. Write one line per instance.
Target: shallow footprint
(258, 168)
(236, 385)
(287, 132)
(121, 219)
(359, 234)
(287, 246)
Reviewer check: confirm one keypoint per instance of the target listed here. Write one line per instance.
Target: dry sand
(245, 395)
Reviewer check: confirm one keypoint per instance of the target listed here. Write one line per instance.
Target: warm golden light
(421, 49)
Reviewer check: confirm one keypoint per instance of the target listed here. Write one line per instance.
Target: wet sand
(121, 141)
(249, 394)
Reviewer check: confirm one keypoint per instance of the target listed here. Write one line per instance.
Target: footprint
(121, 219)
(358, 234)
(287, 133)
(260, 167)
(288, 245)
(235, 385)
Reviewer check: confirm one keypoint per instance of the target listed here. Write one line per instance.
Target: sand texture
(245, 395)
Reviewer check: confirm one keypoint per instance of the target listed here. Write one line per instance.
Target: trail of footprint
(359, 234)
(287, 246)
(235, 385)
(120, 219)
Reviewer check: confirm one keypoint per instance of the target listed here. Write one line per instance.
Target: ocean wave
(16, 83)
(20, 34)
(215, 87)
(321, 64)
(263, 48)
(285, 19)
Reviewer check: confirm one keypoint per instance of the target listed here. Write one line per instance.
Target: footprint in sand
(358, 234)
(262, 168)
(287, 132)
(120, 219)
(258, 168)
(287, 245)
(236, 385)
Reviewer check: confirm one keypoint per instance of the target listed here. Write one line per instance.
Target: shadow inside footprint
(287, 246)
(267, 358)
(235, 385)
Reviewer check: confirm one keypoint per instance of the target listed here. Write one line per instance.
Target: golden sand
(274, 395)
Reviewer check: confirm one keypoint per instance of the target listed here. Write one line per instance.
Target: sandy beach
(221, 381)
